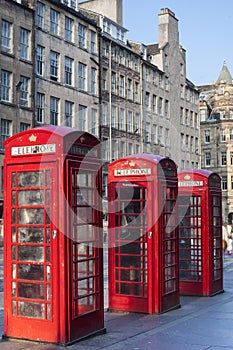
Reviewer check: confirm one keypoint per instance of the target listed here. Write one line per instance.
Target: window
(24, 43)
(196, 121)
(181, 91)
(6, 86)
(82, 117)
(68, 113)
(147, 100)
(231, 158)
(40, 104)
(68, 71)
(121, 149)
(105, 155)
(160, 106)
(114, 117)
(223, 158)
(191, 118)
(114, 150)
(147, 133)
(104, 114)
(231, 114)
(182, 141)
(122, 119)
(5, 131)
(128, 60)
(154, 134)
(207, 136)
(187, 142)
(54, 21)
(40, 60)
(106, 26)
(69, 24)
(121, 56)
(129, 121)
(104, 78)
(93, 41)
(104, 48)
(231, 182)
(54, 109)
(207, 159)
(187, 117)
(231, 134)
(93, 81)
(191, 144)
(166, 137)
(122, 86)
(224, 183)
(94, 122)
(54, 59)
(40, 14)
(113, 52)
(223, 135)
(161, 135)
(136, 64)
(166, 84)
(202, 115)
(82, 80)
(82, 36)
(113, 83)
(181, 115)
(160, 80)
(136, 92)
(136, 122)
(6, 36)
(147, 74)
(153, 77)
(166, 109)
(24, 91)
(24, 126)
(129, 89)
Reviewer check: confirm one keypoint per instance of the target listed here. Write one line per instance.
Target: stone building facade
(216, 121)
(70, 63)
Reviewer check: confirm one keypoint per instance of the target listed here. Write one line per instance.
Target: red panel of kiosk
(53, 262)
(200, 232)
(143, 236)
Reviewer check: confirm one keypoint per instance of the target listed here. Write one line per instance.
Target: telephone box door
(130, 247)
(31, 292)
(86, 274)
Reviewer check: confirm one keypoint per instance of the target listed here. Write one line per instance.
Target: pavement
(201, 323)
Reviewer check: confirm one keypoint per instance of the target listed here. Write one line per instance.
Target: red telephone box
(53, 257)
(200, 232)
(143, 234)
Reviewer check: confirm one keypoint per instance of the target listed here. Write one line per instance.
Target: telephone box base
(22, 340)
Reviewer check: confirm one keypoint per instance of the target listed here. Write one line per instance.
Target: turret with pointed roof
(225, 75)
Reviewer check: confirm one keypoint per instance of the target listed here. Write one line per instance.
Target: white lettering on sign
(35, 149)
(132, 172)
(190, 183)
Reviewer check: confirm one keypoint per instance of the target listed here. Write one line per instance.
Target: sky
(205, 32)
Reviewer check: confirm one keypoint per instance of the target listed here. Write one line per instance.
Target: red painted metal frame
(206, 186)
(67, 149)
(157, 175)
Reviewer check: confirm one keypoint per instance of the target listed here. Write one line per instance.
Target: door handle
(150, 234)
(54, 234)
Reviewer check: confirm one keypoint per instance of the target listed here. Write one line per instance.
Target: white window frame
(40, 108)
(24, 43)
(24, 91)
(69, 62)
(82, 76)
(6, 36)
(82, 36)
(40, 60)
(54, 110)
(6, 131)
(6, 87)
(54, 22)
